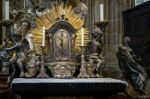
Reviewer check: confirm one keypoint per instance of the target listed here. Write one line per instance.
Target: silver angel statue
(20, 47)
(94, 53)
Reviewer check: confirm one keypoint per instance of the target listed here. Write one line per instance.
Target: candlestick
(83, 72)
(82, 36)
(7, 10)
(42, 71)
(43, 37)
(101, 12)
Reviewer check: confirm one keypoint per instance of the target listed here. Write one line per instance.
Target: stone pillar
(91, 14)
(93, 17)
(106, 39)
(108, 35)
(96, 11)
(114, 32)
(111, 27)
(89, 19)
(5, 16)
(111, 35)
(1, 17)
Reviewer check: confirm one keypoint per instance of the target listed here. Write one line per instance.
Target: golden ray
(78, 39)
(51, 18)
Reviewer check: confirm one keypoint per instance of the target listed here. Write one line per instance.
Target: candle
(101, 12)
(82, 36)
(43, 37)
(7, 10)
